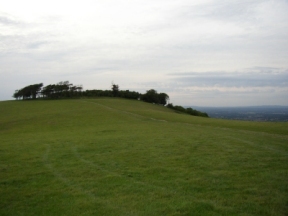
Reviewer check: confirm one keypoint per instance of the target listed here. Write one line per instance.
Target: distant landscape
(249, 113)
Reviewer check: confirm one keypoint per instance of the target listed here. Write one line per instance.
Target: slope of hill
(126, 157)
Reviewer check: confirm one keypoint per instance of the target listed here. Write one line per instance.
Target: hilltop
(112, 156)
(65, 90)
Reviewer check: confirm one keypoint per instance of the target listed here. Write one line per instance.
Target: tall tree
(35, 89)
(151, 96)
(16, 94)
(163, 98)
(31, 91)
(115, 89)
(48, 90)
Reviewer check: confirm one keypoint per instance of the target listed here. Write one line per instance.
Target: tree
(28, 92)
(170, 105)
(62, 89)
(16, 94)
(179, 108)
(35, 89)
(115, 89)
(151, 96)
(163, 98)
(189, 110)
(129, 94)
(48, 90)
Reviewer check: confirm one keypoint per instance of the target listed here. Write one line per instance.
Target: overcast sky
(199, 52)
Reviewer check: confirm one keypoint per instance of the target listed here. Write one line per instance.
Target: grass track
(124, 157)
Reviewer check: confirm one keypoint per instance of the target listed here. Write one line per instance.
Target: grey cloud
(241, 10)
(54, 56)
(213, 35)
(8, 21)
(264, 69)
(233, 79)
(36, 45)
(93, 71)
(22, 43)
(223, 10)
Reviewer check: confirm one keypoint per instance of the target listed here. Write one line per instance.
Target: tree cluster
(189, 110)
(151, 96)
(59, 90)
(31, 91)
(109, 93)
(66, 90)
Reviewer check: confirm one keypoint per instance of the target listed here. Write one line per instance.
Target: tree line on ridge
(64, 89)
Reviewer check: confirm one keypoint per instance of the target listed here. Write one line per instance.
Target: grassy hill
(125, 157)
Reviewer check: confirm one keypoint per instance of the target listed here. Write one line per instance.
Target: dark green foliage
(61, 90)
(179, 108)
(151, 96)
(65, 89)
(28, 92)
(196, 112)
(115, 89)
(98, 93)
(163, 98)
(129, 94)
(48, 90)
(189, 110)
(109, 93)
(170, 105)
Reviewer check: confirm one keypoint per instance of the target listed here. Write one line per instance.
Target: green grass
(125, 157)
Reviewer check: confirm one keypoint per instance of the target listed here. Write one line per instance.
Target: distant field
(125, 157)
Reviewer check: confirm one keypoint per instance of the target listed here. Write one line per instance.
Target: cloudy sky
(199, 52)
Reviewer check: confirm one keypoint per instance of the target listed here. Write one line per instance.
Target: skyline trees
(64, 89)
(30, 91)
(188, 110)
(151, 96)
(59, 90)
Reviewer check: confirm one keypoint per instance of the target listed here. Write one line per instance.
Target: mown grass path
(122, 157)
